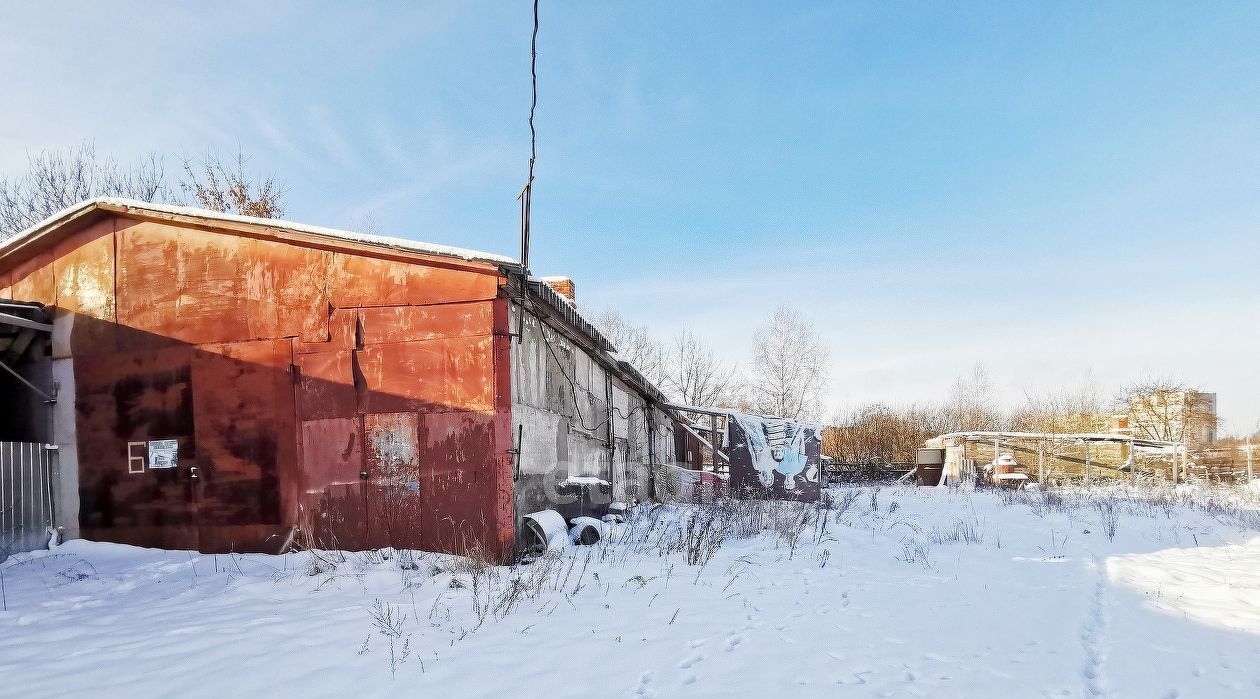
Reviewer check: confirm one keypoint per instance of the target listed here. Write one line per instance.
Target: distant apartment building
(1176, 416)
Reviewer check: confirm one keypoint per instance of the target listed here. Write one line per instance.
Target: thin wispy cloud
(1051, 191)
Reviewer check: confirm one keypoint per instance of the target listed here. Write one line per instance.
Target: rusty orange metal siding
(361, 395)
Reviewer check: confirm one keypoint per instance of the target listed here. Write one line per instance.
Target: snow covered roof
(568, 310)
(141, 207)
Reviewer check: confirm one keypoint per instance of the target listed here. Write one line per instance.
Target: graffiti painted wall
(773, 456)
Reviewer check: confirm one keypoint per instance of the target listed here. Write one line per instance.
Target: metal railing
(27, 507)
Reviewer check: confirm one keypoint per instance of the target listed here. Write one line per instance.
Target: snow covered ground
(895, 591)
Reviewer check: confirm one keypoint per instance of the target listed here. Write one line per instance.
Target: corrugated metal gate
(26, 496)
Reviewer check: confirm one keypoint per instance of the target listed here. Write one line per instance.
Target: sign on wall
(773, 456)
(163, 453)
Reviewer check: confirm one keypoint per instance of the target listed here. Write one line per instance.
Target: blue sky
(1061, 191)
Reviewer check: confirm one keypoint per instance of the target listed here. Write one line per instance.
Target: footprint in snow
(734, 642)
(644, 688)
(691, 661)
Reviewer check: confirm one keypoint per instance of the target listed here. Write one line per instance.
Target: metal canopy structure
(1067, 437)
(1176, 450)
(20, 323)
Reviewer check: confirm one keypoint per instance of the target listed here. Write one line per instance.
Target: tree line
(55, 180)
(1156, 408)
(787, 375)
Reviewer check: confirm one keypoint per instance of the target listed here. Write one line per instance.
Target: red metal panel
(326, 388)
(460, 508)
(333, 504)
(285, 287)
(33, 280)
(432, 376)
(135, 397)
(332, 453)
(202, 286)
(503, 527)
(165, 292)
(83, 264)
(359, 281)
(392, 461)
(242, 409)
(413, 323)
(341, 333)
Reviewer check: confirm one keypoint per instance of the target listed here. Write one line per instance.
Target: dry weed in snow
(876, 591)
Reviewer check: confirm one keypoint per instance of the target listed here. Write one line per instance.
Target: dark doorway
(26, 385)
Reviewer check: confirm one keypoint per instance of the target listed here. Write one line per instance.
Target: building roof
(559, 305)
(1064, 437)
(133, 206)
(568, 310)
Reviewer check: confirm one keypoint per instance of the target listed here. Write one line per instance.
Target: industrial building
(225, 383)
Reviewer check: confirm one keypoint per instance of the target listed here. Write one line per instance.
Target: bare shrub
(846, 503)
(703, 537)
(476, 560)
(389, 622)
(1109, 517)
(226, 187)
(965, 531)
(791, 525)
(316, 561)
(407, 560)
(879, 434)
(915, 551)
(1046, 501)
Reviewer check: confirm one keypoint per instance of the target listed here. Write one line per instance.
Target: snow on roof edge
(333, 233)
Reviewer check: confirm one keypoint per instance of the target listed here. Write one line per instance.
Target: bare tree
(696, 376)
(1071, 410)
(226, 187)
(972, 404)
(55, 180)
(789, 367)
(636, 345)
(1168, 409)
